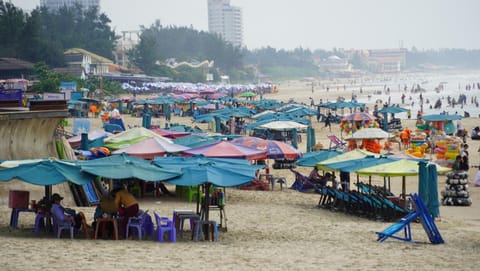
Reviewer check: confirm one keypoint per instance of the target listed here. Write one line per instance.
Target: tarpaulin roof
(311, 159)
(440, 117)
(124, 166)
(45, 172)
(222, 172)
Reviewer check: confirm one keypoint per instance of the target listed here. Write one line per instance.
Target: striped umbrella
(275, 149)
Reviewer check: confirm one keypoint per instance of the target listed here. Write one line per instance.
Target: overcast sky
(317, 24)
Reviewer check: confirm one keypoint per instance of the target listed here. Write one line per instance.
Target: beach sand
(267, 230)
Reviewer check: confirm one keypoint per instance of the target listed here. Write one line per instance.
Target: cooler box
(18, 199)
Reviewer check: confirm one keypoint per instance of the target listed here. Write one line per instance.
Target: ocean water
(453, 84)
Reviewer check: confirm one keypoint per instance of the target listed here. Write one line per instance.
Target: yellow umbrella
(404, 167)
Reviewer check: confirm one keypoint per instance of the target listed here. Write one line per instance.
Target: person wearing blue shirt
(65, 214)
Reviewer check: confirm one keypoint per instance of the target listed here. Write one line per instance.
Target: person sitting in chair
(127, 206)
(66, 214)
(316, 178)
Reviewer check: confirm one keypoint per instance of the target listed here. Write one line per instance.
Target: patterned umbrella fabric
(275, 149)
(359, 116)
(227, 149)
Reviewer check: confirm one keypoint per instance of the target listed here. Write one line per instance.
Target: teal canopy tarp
(428, 187)
(354, 165)
(193, 141)
(311, 159)
(46, 172)
(124, 166)
(440, 117)
(221, 172)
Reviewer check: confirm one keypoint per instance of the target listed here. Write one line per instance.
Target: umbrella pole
(370, 184)
(358, 183)
(403, 192)
(207, 208)
(198, 199)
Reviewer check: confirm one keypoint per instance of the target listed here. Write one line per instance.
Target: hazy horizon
(316, 24)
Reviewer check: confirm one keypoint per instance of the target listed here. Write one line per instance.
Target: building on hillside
(82, 63)
(128, 41)
(386, 60)
(57, 4)
(15, 68)
(225, 20)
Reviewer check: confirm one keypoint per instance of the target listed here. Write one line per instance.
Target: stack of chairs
(372, 205)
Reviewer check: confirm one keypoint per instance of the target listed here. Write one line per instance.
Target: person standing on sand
(328, 121)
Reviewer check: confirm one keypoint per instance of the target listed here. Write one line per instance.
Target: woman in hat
(66, 214)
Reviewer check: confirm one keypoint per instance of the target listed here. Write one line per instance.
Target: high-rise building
(225, 20)
(57, 4)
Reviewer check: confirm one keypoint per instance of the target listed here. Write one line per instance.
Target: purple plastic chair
(165, 225)
(59, 226)
(137, 223)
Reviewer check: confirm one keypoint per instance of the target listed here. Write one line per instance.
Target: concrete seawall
(28, 135)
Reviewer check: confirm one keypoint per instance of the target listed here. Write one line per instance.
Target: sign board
(53, 96)
(68, 88)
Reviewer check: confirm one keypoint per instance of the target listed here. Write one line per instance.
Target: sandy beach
(267, 230)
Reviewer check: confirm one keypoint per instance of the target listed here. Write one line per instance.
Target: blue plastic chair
(137, 223)
(165, 225)
(60, 225)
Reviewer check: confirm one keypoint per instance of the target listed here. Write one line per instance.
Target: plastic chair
(165, 225)
(138, 223)
(60, 225)
(40, 221)
(336, 142)
(190, 192)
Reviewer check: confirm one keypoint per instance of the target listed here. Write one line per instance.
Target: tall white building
(225, 20)
(57, 4)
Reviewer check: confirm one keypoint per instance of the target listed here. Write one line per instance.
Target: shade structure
(369, 133)
(311, 159)
(266, 112)
(356, 164)
(222, 172)
(433, 204)
(45, 172)
(132, 136)
(195, 140)
(226, 149)
(359, 116)
(404, 167)
(124, 166)
(347, 156)
(275, 149)
(283, 125)
(440, 117)
(209, 171)
(150, 148)
(392, 110)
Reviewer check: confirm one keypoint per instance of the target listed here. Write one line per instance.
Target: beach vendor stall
(441, 130)
(356, 121)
